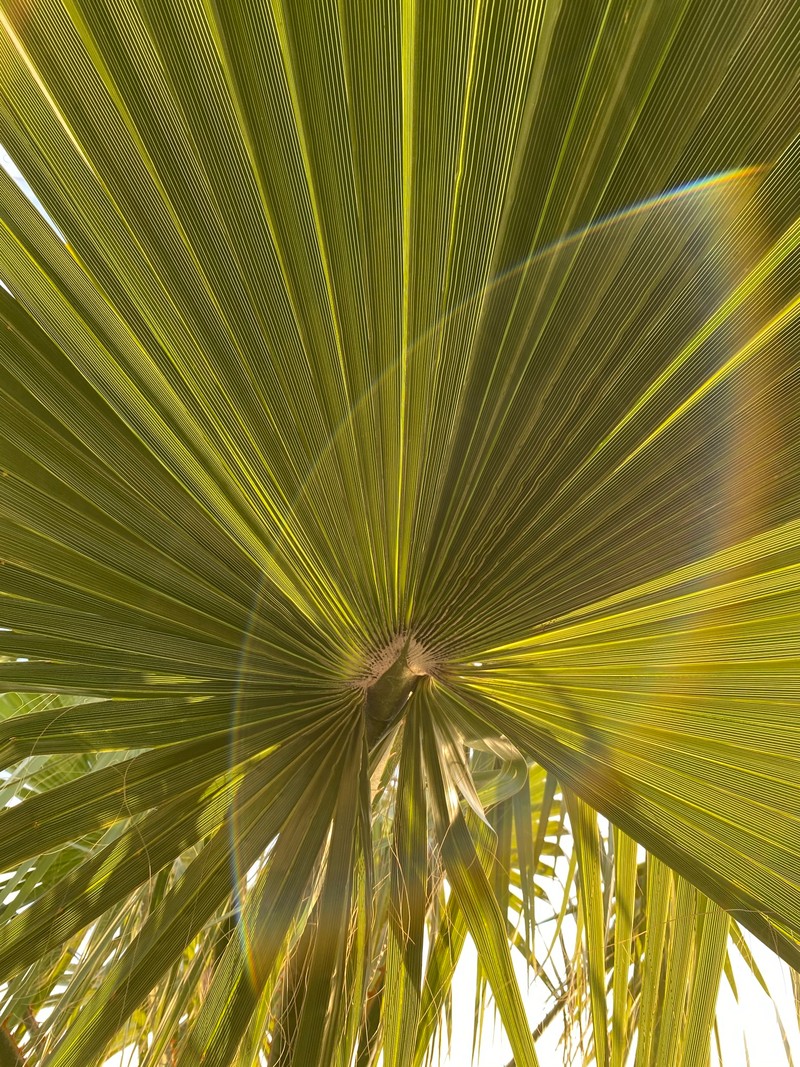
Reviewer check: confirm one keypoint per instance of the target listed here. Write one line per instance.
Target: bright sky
(10, 167)
(753, 1018)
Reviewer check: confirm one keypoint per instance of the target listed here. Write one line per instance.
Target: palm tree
(399, 468)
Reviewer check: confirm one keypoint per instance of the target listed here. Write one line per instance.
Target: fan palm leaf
(399, 454)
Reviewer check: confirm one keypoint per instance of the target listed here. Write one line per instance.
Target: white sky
(753, 1017)
(10, 167)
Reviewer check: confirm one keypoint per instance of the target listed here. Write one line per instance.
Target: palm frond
(399, 468)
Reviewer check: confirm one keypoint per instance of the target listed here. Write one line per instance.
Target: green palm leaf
(398, 453)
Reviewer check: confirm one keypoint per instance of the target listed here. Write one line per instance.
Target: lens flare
(679, 228)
